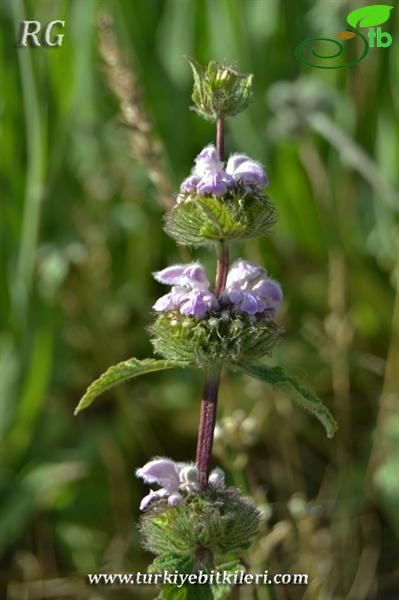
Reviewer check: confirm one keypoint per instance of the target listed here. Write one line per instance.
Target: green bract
(219, 91)
(224, 337)
(198, 220)
(214, 522)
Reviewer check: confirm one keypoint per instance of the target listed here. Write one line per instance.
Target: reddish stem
(211, 385)
(207, 426)
(220, 139)
(222, 268)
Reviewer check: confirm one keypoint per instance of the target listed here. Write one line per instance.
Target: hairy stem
(220, 139)
(212, 379)
(222, 264)
(222, 267)
(207, 425)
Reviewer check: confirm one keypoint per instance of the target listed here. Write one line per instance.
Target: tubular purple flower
(207, 175)
(162, 471)
(191, 275)
(170, 275)
(246, 302)
(207, 161)
(194, 276)
(190, 294)
(246, 171)
(270, 291)
(249, 290)
(175, 499)
(189, 184)
(175, 479)
(234, 161)
(145, 502)
(165, 303)
(250, 173)
(198, 303)
(243, 274)
(212, 183)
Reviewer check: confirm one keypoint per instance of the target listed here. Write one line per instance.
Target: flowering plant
(192, 520)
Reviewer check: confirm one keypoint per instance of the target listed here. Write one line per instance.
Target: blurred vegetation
(83, 192)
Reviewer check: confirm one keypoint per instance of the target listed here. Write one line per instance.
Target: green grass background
(80, 234)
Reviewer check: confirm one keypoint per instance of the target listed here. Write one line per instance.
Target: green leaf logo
(369, 16)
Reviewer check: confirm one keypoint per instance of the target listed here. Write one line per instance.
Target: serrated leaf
(123, 371)
(278, 378)
(172, 592)
(171, 562)
(198, 74)
(369, 16)
(220, 224)
(199, 592)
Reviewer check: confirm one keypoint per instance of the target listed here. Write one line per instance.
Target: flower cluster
(248, 290)
(208, 175)
(190, 292)
(173, 479)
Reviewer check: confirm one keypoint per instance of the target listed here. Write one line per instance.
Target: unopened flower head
(216, 477)
(219, 90)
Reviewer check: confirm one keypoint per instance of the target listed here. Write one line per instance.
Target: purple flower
(165, 303)
(174, 480)
(146, 501)
(172, 477)
(163, 471)
(207, 175)
(207, 161)
(190, 292)
(246, 171)
(212, 183)
(197, 303)
(234, 161)
(191, 275)
(249, 290)
(243, 274)
(245, 302)
(190, 184)
(270, 291)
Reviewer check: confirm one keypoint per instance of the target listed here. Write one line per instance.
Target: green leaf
(198, 74)
(199, 592)
(369, 16)
(171, 562)
(278, 378)
(123, 371)
(172, 592)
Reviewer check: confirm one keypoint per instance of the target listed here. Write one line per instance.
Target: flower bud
(175, 499)
(189, 474)
(216, 477)
(219, 91)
